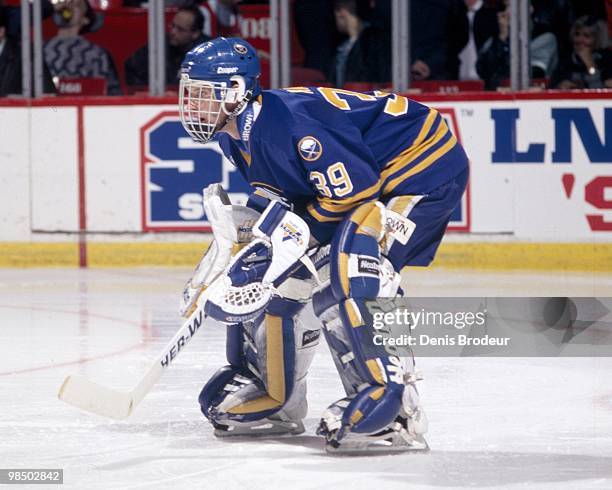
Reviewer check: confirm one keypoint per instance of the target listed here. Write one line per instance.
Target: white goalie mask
(202, 103)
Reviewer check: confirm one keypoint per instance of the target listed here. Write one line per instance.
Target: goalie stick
(286, 231)
(93, 397)
(116, 404)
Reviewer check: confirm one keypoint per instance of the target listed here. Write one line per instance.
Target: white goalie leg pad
(270, 359)
(241, 390)
(231, 227)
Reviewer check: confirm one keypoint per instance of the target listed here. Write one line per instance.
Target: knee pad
(355, 253)
(269, 358)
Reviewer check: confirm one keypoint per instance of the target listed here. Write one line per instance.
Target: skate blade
(377, 447)
(269, 429)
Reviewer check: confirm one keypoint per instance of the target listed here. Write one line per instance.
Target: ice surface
(511, 423)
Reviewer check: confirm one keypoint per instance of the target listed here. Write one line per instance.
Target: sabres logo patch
(310, 148)
(240, 49)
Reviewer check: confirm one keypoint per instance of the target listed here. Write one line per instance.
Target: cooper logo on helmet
(226, 70)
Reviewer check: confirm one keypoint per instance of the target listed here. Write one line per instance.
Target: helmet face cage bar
(201, 103)
(200, 106)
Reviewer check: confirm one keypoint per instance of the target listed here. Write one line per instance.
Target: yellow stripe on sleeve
(429, 120)
(407, 157)
(319, 217)
(298, 90)
(393, 183)
(344, 205)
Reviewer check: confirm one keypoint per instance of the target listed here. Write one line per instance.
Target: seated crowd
(340, 43)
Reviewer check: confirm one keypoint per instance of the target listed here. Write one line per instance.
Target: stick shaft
(92, 397)
(169, 353)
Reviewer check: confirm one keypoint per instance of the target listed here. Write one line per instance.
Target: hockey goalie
(348, 188)
(259, 272)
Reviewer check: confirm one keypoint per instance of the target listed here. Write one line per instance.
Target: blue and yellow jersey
(328, 150)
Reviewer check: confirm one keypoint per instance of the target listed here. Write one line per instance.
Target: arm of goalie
(232, 228)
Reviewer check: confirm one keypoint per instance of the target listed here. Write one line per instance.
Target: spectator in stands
(555, 16)
(438, 33)
(70, 55)
(316, 30)
(12, 13)
(482, 18)
(364, 55)
(10, 63)
(493, 63)
(590, 63)
(185, 32)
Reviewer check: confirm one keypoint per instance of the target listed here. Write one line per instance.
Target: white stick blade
(92, 397)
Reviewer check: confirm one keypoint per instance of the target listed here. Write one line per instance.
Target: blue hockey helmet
(220, 75)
